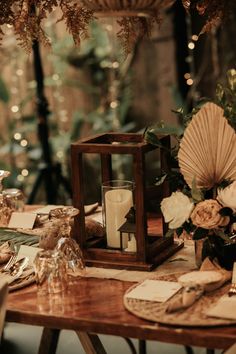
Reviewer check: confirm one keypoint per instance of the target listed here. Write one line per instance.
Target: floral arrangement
(210, 218)
(201, 217)
(203, 199)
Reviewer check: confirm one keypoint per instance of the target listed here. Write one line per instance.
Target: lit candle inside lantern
(132, 245)
(118, 202)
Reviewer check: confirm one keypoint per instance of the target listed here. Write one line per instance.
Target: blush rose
(206, 215)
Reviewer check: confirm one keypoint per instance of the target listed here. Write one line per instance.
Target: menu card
(154, 290)
(223, 308)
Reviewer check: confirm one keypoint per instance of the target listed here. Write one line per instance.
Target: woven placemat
(194, 316)
(22, 282)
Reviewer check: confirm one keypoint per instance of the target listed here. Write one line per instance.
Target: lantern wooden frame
(149, 254)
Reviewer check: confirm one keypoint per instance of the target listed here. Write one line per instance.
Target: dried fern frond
(214, 11)
(26, 17)
(134, 28)
(76, 18)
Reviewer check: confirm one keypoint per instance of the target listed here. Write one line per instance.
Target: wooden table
(96, 306)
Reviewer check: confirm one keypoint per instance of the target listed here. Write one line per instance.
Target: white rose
(176, 209)
(227, 196)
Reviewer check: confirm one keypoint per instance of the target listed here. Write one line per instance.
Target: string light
(19, 72)
(17, 136)
(194, 37)
(15, 109)
(55, 77)
(189, 82)
(191, 45)
(190, 76)
(24, 143)
(20, 178)
(115, 65)
(24, 172)
(187, 76)
(114, 104)
(60, 154)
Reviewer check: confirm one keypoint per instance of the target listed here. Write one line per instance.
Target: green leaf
(152, 138)
(219, 92)
(4, 93)
(160, 180)
(196, 193)
(188, 227)
(200, 233)
(170, 233)
(231, 75)
(226, 211)
(179, 231)
(222, 235)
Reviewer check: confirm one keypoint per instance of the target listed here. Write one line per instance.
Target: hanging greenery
(214, 11)
(136, 18)
(26, 17)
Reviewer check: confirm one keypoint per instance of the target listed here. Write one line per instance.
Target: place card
(28, 251)
(154, 290)
(223, 308)
(22, 220)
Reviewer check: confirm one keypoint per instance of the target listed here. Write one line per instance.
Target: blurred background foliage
(95, 89)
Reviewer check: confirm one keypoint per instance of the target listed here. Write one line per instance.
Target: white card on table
(154, 290)
(22, 220)
(224, 308)
(28, 251)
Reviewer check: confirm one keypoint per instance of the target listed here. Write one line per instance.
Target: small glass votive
(50, 272)
(117, 199)
(14, 199)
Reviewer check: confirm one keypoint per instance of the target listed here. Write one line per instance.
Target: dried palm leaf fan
(207, 150)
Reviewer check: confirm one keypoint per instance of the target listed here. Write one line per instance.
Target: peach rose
(227, 196)
(176, 209)
(206, 215)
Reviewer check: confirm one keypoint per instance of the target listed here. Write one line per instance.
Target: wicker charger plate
(194, 316)
(22, 282)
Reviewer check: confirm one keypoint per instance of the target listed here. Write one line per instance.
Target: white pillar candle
(117, 204)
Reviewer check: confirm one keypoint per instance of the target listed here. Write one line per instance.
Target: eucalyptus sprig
(226, 97)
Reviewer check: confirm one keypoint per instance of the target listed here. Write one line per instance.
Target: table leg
(91, 343)
(131, 345)
(142, 346)
(49, 340)
(210, 351)
(188, 349)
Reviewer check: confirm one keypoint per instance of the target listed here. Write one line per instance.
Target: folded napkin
(213, 265)
(190, 294)
(5, 252)
(7, 278)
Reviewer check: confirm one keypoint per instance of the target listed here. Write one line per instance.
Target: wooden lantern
(151, 249)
